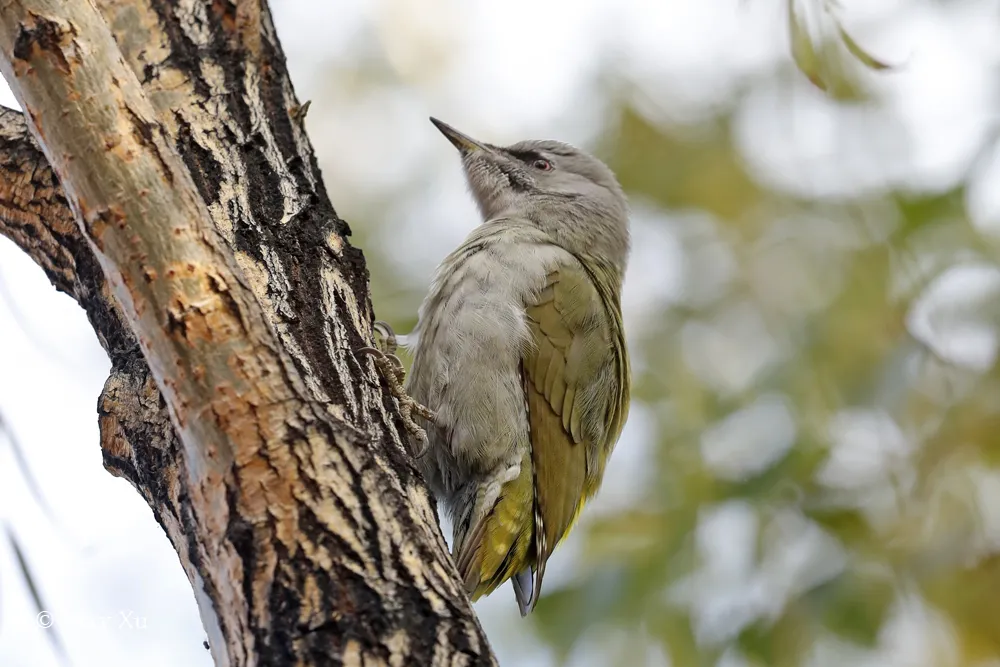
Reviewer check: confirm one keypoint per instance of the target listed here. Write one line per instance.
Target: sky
(502, 72)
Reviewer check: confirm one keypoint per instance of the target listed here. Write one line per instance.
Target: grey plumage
(547, 208)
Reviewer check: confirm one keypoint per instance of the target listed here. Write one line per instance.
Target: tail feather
(499, 544)
(466, 560)
(523, 590)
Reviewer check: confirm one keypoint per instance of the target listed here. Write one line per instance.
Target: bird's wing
(576, 390)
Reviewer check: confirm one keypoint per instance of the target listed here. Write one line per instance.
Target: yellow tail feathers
(500, 544)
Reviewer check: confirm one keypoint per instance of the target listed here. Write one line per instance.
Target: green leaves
(865, 58)
(822, 61)
(854, 605)
(804, 52)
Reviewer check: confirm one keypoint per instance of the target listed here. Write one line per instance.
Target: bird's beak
(462, 142)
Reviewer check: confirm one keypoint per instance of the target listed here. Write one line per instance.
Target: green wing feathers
(576, 387)
(576, 381)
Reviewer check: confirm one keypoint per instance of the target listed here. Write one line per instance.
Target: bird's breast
(467, 358)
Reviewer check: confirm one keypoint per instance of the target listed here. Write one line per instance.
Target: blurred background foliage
(810, 474)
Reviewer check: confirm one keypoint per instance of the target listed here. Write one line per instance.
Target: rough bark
(265, 446)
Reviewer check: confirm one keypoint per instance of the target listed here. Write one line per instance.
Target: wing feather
(576, 341)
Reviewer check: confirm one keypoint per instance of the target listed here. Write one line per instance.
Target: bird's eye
(542, 164)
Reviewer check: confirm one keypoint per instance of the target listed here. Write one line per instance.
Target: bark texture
(195, 231)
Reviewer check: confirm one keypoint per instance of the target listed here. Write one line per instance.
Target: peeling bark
(268, 450)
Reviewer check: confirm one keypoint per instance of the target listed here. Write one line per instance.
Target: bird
(520, 373)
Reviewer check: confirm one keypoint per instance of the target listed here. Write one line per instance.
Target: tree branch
(280, 477)
(35, 215)
(33, 210)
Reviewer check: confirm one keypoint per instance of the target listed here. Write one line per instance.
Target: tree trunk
(193, 227)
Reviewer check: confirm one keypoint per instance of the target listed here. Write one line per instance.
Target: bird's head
(565, 191)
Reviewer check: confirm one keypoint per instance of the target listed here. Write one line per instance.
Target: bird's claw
(391, 368)
(388, 344)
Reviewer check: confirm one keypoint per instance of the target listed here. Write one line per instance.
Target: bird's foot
(391, 368)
